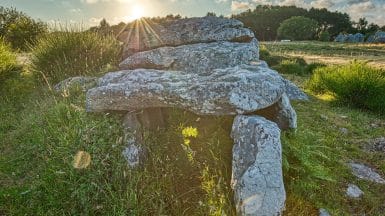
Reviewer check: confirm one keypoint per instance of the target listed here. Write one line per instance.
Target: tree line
(265, 21)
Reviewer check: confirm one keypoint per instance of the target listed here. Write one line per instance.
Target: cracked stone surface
(257, 167)
(134, 152)
(178, 32)
(295, 93)
(195, 58)
(208, 66)
(237, 90)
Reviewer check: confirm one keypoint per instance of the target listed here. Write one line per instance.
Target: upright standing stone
(257, 167)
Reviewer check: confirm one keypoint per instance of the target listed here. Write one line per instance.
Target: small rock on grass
(344, 131)
(364, 172)
(324, 117)
(354, 191)
(323, 212)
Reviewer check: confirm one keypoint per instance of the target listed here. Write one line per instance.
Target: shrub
(290, 67)
(356, 84)
(271, 60)
(61, 55)
(297, 28)
(7, 61)
(19, 29)
(324, 36)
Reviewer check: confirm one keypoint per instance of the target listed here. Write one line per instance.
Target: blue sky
(89, 12)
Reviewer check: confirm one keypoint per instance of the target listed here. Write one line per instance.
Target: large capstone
(195, 58)
(257, 167)
(236, 90)
(145, 34)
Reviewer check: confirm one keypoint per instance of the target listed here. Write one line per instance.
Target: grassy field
(330, 52)
(41, 132)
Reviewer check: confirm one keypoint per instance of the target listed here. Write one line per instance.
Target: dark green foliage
(104, 28)
(264, 20)
(356, 84)
(297, 28)
(19, 29)
(333, 22)
(324, 36)
(66, 54)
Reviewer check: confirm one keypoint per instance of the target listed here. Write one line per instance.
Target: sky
(90, 12)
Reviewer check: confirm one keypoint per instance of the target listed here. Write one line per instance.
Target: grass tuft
(61, 55)
(356, 84)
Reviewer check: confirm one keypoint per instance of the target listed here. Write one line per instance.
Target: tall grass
(7, 61)
(356, 84)
(68, 53)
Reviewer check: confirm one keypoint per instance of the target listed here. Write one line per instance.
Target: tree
(212, 14)
(265, 20)
(333, 22)
(298, 28)
(18, 29)
(362, 25)
(324, 36)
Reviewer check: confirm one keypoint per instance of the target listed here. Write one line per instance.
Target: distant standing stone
(363, 172)
(354, 191)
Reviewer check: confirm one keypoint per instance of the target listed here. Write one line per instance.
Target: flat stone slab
(195, 58)
(146, 35)
(231, 91)
(364, 172)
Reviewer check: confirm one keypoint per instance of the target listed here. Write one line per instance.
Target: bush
(297, 28)
(7, 61)
(19, 29)
(61, 55)
(324, 36)
(356, 84)
(290, 67)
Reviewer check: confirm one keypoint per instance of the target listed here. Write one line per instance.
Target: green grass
(40, 140)
(326, 48)
(60, 55)
(189, 166)
(8, 66)
(356, 84)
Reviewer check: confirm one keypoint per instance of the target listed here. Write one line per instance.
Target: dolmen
(209, 66)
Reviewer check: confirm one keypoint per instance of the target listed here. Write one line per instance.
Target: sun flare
(137, 12)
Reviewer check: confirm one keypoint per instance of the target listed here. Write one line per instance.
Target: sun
(137, 12)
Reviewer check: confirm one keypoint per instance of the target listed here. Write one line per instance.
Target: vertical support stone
(133, 124)
(133, 137)
(286, 115)
(281, 113)
(257, 178)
